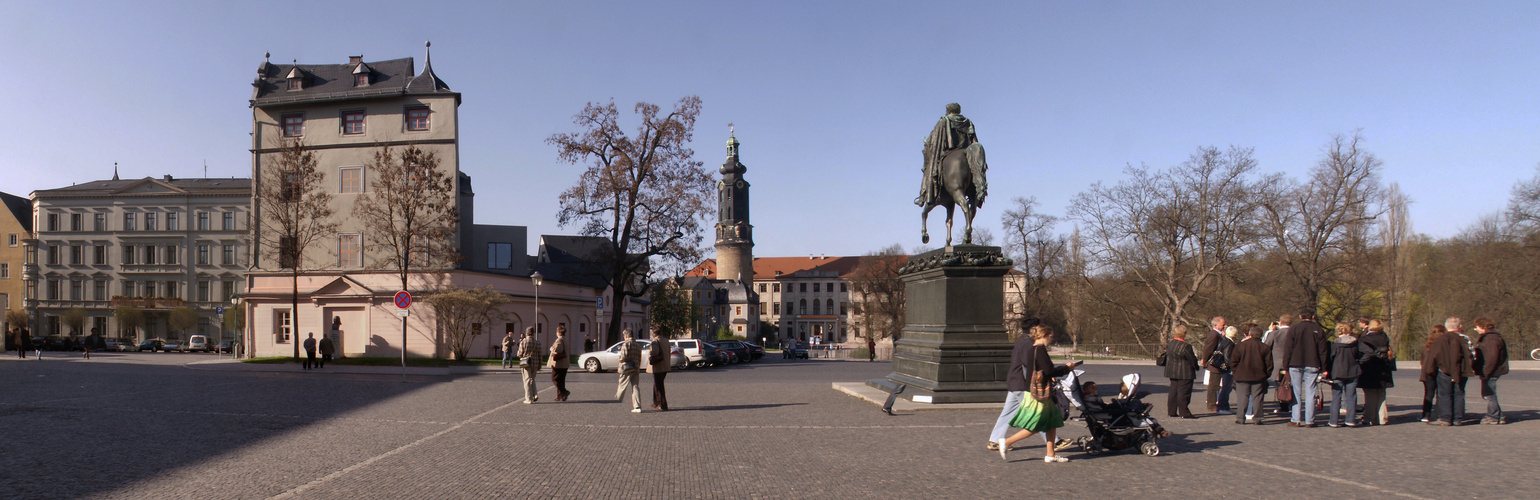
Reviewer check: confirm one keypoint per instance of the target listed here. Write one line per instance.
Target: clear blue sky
(831, 99)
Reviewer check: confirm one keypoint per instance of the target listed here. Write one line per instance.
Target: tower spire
(114, 170)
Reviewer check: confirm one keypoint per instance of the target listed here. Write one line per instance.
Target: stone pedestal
(954, 348)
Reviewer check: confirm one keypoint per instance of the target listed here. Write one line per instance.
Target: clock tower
(735, 236)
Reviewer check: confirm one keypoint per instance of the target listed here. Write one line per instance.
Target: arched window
(829, 306)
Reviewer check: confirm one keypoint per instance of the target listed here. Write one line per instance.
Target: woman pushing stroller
(1035, 370)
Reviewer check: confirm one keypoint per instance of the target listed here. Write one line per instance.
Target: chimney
(168, 177)
(356, 59)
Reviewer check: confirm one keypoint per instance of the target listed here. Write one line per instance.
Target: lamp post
(537, 279)
(234, 303)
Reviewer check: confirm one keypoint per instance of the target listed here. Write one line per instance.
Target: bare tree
(182, 318)
(129, 318)
(296, 214)
(1172, 231)
(1524, 208)
(75, 318)
(1037, 251)
(464, 312)
(409, 213)
(1395, 240)
(1317, 223)
(645, 194)
(878, 294)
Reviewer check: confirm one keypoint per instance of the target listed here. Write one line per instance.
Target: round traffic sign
(403, 299)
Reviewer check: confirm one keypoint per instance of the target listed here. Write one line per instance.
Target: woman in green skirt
(1039, 415)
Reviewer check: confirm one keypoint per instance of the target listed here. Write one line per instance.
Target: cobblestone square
(140, 425)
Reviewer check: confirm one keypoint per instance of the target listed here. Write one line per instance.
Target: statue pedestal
(954, 348)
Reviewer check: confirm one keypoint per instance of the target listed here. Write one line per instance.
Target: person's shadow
(1182, 443)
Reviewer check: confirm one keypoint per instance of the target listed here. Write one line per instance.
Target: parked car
(173, 346)
(196, 343)
(57, 343)
(109, 344)
(226, 346)
(609, 359)
(740, 350)
(699, 353)
(151, 345)
(124, 345)
(756, 351)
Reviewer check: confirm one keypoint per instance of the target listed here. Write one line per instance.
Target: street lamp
(537, 279)
(234, 303)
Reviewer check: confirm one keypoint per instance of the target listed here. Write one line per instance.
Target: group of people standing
(528, 352)
(326, 348)
(1297, 357)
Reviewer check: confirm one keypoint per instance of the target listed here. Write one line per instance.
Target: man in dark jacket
(1274, 340)
(1305, 352)
(1221, 382)
(1252, 363)
(1491, 363)
(1449, 364)
(1181, 368)
(1015, 383)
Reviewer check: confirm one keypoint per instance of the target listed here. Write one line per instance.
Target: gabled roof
(331, 82)
(767, 267)
(150, 186)
(21, 208)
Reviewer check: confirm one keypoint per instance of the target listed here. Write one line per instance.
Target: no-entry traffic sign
(403, 299)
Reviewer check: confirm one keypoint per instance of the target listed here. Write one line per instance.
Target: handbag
(1160, 359)
(1217, 362)
(1040, 384)
(524, 363)
(1285, 389)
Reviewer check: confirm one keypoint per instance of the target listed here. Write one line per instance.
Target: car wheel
(592, 365)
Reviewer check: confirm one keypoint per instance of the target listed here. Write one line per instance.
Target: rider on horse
(952, 132)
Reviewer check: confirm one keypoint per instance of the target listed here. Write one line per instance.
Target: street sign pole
(403, 301)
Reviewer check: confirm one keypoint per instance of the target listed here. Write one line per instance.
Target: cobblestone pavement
(152, 426)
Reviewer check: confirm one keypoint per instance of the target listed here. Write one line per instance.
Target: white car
(197, 343)
(609, 359)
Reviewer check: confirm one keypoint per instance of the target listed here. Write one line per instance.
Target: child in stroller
(1119, 424)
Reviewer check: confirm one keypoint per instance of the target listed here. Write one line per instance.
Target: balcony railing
(147, 302)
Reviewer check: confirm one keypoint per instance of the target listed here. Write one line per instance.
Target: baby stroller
(1122, 423)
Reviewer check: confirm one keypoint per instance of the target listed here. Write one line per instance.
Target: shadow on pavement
(1183, 442)
(734, 407)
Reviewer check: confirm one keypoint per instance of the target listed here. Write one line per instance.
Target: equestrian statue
(954, 173)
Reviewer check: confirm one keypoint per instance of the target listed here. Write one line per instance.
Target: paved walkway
(152, 426)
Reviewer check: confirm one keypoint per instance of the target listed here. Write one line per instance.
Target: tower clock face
(740, 184)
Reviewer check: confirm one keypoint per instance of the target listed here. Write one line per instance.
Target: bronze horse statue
(957, 187)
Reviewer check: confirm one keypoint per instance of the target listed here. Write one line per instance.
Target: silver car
(609, 359)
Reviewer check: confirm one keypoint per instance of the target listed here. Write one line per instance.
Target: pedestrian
(327, 350)
(529, 363)
(1429, 382)
(871, 348)
(588, 344)
(658, 359)
(1491, 363)
(1306, 353)
(630, 365)
(560, 361)
(1450, 368)
(1251, 363)
(509, 344)
(90, 341)
(1344, 370)
(1181, 367)
(1036, 415)
(1274, 340)
(1216, 393)
(1378, 363)
(23, 342)
(310, 351)
(1015, 383)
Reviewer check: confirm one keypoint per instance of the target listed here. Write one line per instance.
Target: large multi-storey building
(151, 244)
(15, 227)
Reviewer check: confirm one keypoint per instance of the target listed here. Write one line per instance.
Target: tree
(129, 318)
(878, 293)
(1037, 252)
(1524, 208)
(16, 319)
(1396, 240)
(672, 313)
(410, 212)
(461, 310)
(1319, 223)
(1173, 231)
(183, 318)
(235, 319)
(645, 194)
(75, 318)
(295, 211)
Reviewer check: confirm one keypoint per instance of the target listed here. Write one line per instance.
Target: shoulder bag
(1039, 382)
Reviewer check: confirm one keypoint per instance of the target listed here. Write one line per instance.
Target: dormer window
(296, 79)
(294, 84)
(361, 80)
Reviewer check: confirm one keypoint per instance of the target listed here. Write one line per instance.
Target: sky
(830, 100)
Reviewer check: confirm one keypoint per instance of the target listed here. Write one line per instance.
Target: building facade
(147, 244)
(15, 228)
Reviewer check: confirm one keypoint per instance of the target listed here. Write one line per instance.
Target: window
(149, 254)
(762, 308)
(99, 290)
(816, 308)
(100, 222)
(499, 255)
(14, 239)
(737, 310)
(844, 306)
(281, 326)
(171, 254)
(227, 221)
(203, 290)
(149, 221)
(804, 306)
(803, 287)
(171, 224)
(815, 287)
(149, 289)
(417, 119)
(789, 308)
(128, 221)
(128, 288)
(350, 251)
(293, 125)
(288, 252)
(361, 79)
(843, 288)
(296, 83)
(32, 290)
(227, 256)
(829, 305)
(128, 254)
(53, 255)
(352, 180)
(761, 288)
(229, 291)
(77, 222)
(173, 289)
(100, 323)
(776, 309)
(5, 270)
(53, 222)
(775, 287)
(203, 221)
(77, 254)
(203, 254)
(53, 289)
(353, 122)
